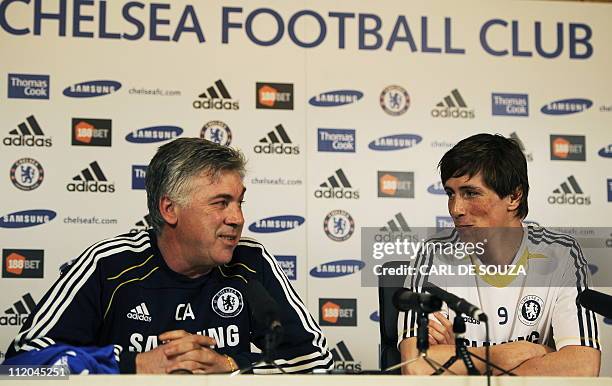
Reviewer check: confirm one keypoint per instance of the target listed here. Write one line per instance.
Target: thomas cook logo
(276, 142)
(276, 224)
(569, 193)
(27, 134)
(337, 186)
(92, 88)
(27, 218)
(394, 100)
(339, 225)
(530, 309)
(91, 179)
(27, 86)
(336, 98)
(27, 174)
(566, 106)
(227, 303)
(17, 314)
(216, 97)
(452, 106)
(337, 268)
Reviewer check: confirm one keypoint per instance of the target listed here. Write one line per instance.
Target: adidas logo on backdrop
(91, 179)
(28, 134)
(398, 228)
(337, 186)
(216, 97)
(142, 225)
(513, 136)
(569, 193)
(140, 312)
(452, 106)
(19, 312)
(276, 142)
(343, 359)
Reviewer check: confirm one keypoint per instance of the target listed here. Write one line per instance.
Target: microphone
(266, 313)
(596, 301)
(457, 304)
(264, 308)
(404, 300)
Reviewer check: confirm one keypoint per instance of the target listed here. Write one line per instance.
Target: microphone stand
(272, 338)
(422, 345)
(461, 352)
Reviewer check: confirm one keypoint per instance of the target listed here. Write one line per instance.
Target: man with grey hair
(173, 298)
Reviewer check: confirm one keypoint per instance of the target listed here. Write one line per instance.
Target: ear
(514, 199)
(167, 208)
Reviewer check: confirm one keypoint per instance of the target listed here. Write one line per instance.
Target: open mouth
(228, 238)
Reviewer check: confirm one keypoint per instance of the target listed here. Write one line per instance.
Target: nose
(234, 216)
(455, 207)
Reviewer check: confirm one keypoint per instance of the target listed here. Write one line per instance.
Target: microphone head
(596, 301)
(404, 300)
(263, 307)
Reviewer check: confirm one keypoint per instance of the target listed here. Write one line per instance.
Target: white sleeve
(573, 324)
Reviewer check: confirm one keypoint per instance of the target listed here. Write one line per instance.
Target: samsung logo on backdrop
(375, 317)
(27, 218)
(154, 134)
(92, 88)
(395, 142)
(605, 152)
(337, 268)
(276, 224)
(436, 188)
(566, 106)
(336, 98)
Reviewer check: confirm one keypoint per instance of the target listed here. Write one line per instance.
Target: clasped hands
(184, 351)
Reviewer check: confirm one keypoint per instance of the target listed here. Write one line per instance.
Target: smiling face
(471, 203)
(207, 228)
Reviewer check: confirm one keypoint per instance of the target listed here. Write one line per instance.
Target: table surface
(307, 380)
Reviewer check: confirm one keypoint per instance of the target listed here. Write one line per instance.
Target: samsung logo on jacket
(337, 268)
(276, 224)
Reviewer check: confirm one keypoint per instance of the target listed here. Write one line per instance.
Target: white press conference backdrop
(343, 109)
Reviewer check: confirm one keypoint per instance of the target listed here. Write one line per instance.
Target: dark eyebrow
(466, 187)
(227, 196)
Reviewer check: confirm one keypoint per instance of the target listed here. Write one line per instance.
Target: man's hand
(441, 331)
(182, 350)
